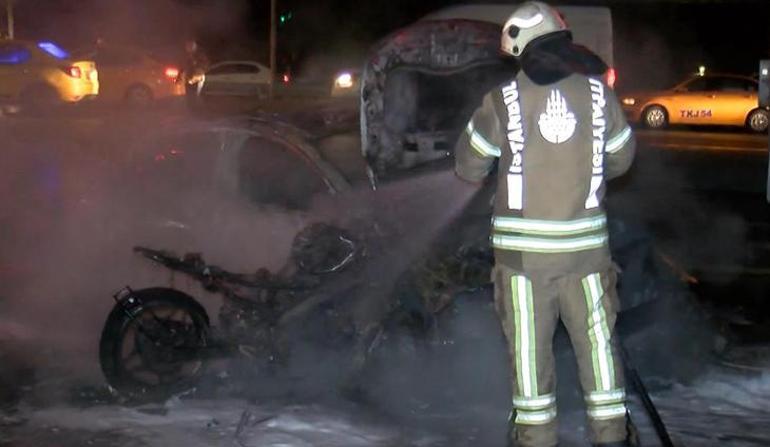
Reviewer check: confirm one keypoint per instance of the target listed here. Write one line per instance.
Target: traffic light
(283, 18)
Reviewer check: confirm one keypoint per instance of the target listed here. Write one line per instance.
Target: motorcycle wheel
(156, 349)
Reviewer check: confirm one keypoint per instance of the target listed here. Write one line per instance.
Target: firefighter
(196, 63)
(557, 134)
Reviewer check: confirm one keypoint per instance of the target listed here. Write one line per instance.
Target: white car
(234, 78)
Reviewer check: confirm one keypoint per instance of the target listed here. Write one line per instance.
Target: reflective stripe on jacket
(556, 145)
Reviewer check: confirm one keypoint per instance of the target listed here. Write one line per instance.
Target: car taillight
(611, 77)
(171, 73)
(73, 71)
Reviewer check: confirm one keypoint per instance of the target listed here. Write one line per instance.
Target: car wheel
(39, 99)
(758, 120)
(655, 117)
(138, 96)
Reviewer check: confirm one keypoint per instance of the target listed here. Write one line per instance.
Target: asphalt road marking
(708, 148)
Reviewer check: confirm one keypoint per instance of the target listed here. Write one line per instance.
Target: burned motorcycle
(157, 341)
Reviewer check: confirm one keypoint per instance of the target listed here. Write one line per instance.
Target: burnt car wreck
(415, 96)
(422, 83)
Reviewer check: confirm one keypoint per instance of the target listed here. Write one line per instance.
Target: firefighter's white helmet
(528, 22)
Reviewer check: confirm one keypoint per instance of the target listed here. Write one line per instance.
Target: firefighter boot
(631, 441)
(513, 438)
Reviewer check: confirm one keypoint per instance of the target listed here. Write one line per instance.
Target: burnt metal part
(419, 87)
(233, 133)
(321, 248)
(128, 301)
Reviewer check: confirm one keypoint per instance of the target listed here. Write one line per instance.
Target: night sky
(656, 43)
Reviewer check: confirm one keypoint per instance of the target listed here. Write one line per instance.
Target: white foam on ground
(206, 423)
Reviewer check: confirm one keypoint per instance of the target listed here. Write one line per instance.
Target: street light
(273, 45)
(274, 23)
(9, 17)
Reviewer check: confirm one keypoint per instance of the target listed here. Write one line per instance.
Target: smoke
(681, 198)
(72, 212)
(71, 228)
(646, 47)
(155, 24)
(67, 231)
(669, 193)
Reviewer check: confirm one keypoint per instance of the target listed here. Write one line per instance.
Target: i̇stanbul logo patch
(557, 124)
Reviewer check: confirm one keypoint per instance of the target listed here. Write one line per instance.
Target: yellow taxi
(728, 100)
(129, 74)
(40, 74)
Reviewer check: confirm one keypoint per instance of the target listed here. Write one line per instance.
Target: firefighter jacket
(555, 146)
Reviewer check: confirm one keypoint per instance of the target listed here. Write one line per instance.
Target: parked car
(233, 78)
(712, 99)
(131, 75)
(38, 74)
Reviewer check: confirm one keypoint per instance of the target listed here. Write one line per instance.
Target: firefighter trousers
(530, 306)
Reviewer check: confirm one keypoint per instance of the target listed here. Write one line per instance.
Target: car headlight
(345, 80)
(629, 101)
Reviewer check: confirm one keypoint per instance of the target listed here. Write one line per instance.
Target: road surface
(713, 140)
(700, 193)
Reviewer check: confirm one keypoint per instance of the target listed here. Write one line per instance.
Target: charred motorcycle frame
(157, 341)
